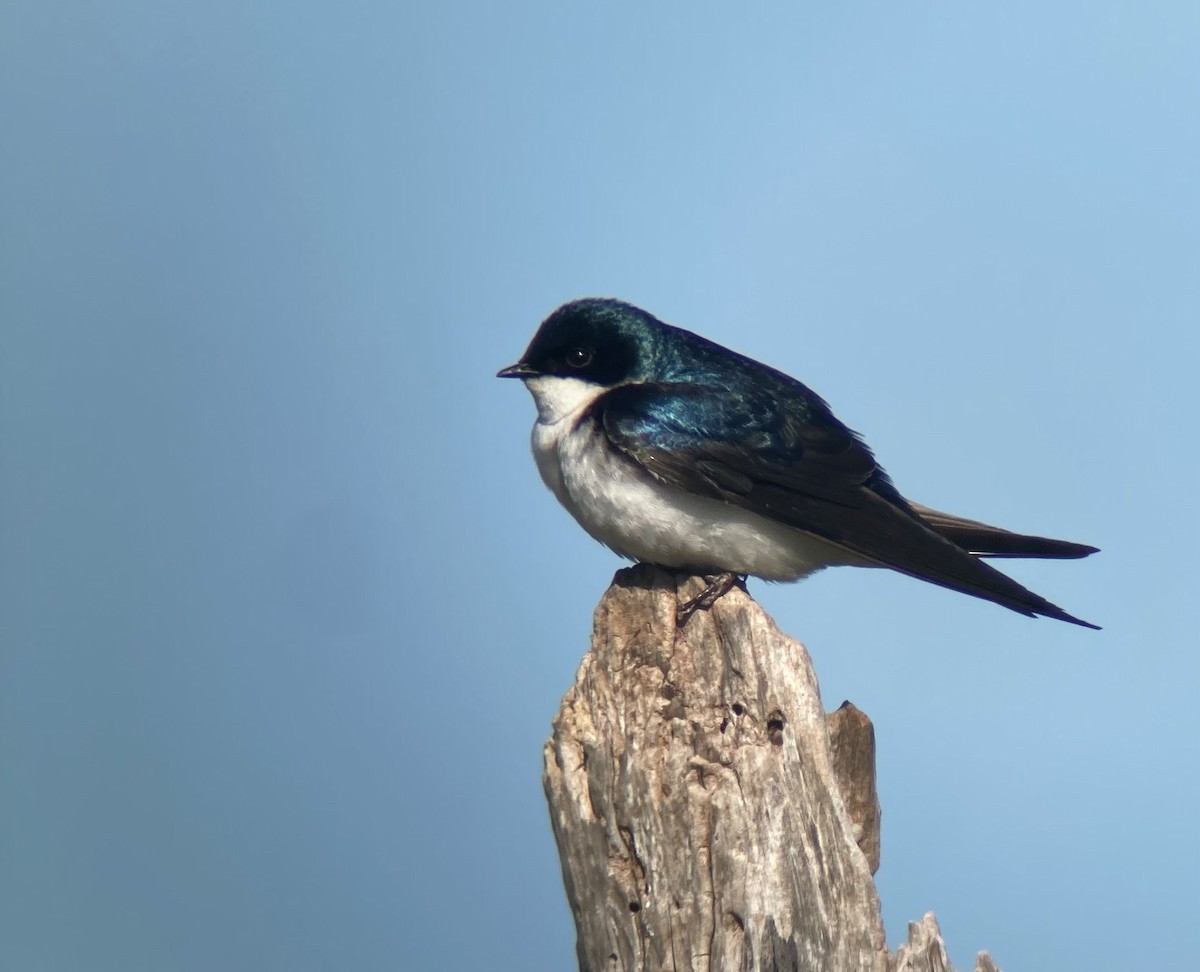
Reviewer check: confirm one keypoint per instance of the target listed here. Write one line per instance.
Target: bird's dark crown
(599, 340)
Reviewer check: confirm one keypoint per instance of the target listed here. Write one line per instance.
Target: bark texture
(698, 806)
(852, 738)
(924, 950)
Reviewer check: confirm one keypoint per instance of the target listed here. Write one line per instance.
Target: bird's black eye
(579, 357)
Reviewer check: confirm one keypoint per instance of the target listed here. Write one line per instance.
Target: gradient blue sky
(284, 609)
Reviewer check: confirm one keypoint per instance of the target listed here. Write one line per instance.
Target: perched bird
(675, 451)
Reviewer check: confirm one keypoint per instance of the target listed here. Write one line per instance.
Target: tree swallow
(675, 451)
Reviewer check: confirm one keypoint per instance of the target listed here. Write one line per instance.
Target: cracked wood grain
(700, 810)
(924, 951)
(694, 798)
(852, 738)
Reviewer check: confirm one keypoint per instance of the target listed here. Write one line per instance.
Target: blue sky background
(284, 609)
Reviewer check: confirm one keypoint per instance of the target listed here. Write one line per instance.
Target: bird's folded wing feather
(792, 461)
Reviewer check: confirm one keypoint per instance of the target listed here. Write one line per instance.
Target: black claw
(718, 585)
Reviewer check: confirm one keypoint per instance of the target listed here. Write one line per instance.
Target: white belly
(640, 518)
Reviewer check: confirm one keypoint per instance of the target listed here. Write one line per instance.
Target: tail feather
(911, 545)
(984, 540)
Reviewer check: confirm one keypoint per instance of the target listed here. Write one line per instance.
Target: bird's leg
(718, 585)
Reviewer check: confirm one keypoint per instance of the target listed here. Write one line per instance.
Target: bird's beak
(518, 370)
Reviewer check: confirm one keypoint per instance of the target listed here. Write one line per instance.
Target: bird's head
(595, 340)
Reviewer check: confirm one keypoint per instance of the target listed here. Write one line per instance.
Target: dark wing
(793, 462)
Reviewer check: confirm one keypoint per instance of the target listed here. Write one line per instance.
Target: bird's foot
(718, 585)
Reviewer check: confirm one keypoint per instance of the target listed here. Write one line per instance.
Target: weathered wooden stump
(703, 818)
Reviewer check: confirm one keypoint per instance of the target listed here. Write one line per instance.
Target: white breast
(626, 509)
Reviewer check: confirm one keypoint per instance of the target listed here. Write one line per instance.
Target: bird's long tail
(984, 540)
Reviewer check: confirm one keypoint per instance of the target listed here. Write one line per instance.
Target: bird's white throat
(558, 398)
